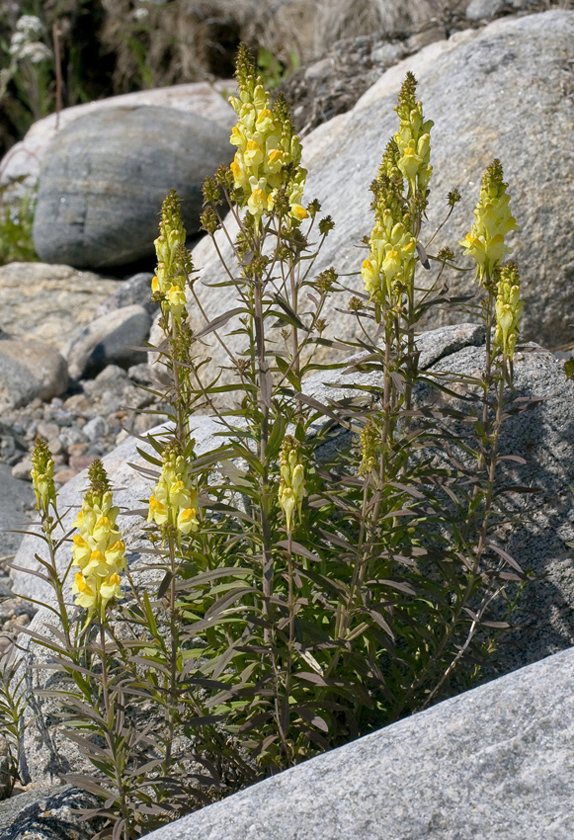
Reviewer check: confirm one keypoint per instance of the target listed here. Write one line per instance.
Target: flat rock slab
(104, 178)
(48, 302)
(495, 763)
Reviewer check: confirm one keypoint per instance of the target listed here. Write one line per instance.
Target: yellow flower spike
(172, 502)
(173, 260)
(292, 480)
(266, 145)
(42, 475)
(508, 309)
(413, 139)
(493, 220)
(97, 550)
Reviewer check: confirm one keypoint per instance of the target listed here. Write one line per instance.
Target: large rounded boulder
(105, 176)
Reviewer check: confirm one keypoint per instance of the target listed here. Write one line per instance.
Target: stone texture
(480, 9)
(48, 302)
(105, 175)
(15, 495)
(30, 369)
(495, 763)
(25, 158)
(136, 289)
(48, 815)
(109, 339)
(478, 87)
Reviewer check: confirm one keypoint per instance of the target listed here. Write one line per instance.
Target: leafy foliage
(329, 565)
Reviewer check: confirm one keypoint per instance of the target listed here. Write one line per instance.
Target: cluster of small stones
(79, 427)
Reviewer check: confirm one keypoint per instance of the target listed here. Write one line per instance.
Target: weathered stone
(30, 369)
(25, 158)
(495, 762)
(49, 302)
(51, 814)
(477, 87)
(135, 290)
(480, 9)
(109, 339)
(104, 178)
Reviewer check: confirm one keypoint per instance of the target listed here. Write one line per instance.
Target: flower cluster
(493, 220)
(389, 268)
(168, 284)
(25, 43)
(268, 152)
(98, 550)
(413, 139)
(42, 474)
(508, 309)
(173, 502)
(292, 481)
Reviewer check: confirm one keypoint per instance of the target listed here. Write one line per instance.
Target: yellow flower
(81, 551)
(157, 512)
(110, 589)
(86, 595)
(299, 212)
(187, 521)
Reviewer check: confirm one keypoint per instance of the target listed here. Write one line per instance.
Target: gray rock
(135, 290)
(110, 339)
(95, 428)
(49, 302)
(480, 9)
(105, 176)
(50, 814)
(30, 369)
(15, 495)
(24, 159)
(495, 763)
(477, 87)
